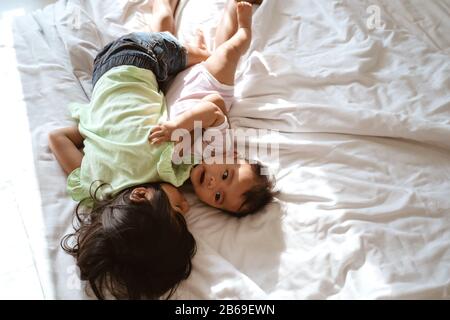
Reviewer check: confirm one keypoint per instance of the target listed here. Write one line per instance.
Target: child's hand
(161, 133)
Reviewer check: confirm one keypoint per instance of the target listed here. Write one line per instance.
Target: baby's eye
(217, 196)
(225, 175)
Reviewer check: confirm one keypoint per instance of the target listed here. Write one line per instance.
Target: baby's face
(222, 185)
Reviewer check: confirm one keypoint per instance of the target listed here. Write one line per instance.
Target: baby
(205, 93)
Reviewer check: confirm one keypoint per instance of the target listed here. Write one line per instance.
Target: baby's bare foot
(200, 39)
(162, 19)
(244, 14)
(197, 49)
(244, 34)
(251, 1)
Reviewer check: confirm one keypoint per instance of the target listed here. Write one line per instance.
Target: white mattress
(364, 146)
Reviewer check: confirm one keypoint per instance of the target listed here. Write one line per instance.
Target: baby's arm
(65, 144)
(210, 111)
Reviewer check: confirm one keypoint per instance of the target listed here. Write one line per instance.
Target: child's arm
(65, 144)
(210, 111)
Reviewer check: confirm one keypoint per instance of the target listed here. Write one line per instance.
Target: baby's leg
(224, 60)
(162, 15)
(228, 24)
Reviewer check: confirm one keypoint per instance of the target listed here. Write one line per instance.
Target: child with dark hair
(135, 244)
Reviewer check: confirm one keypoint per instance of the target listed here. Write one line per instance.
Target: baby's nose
(211, 182)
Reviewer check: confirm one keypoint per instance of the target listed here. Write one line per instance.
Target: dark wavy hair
(260, 194)
(131, 250)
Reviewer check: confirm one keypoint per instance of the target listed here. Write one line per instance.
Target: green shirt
(125, 105)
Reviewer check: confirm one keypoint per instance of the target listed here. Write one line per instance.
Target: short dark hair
(131, 250)
(260, 194)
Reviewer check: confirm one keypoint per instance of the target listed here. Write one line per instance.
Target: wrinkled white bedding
(364, 135)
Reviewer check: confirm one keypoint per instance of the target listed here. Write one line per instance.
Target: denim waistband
(159, 52)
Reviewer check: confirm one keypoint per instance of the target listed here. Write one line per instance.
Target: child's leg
(224, 60)
(162, 15)
(162, 20)
(228, 24)
(158, 51)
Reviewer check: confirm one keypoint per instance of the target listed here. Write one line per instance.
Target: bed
(358, 93)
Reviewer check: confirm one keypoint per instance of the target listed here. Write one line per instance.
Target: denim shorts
(159, 52)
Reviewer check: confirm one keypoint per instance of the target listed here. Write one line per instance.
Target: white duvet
(361, 103)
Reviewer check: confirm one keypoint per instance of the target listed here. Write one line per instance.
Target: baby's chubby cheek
(205, 197)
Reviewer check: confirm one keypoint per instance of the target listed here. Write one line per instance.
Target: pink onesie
(186, 91)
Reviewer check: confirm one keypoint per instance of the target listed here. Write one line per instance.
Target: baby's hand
(161, 133)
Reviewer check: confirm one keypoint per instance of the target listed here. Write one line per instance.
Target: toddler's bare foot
(162, 19)
(244, 14)
(197, 50)
(200, 39)
(174, 4)
(251, 1)
(244, 18)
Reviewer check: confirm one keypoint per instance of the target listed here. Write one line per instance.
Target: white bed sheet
(364, 136)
